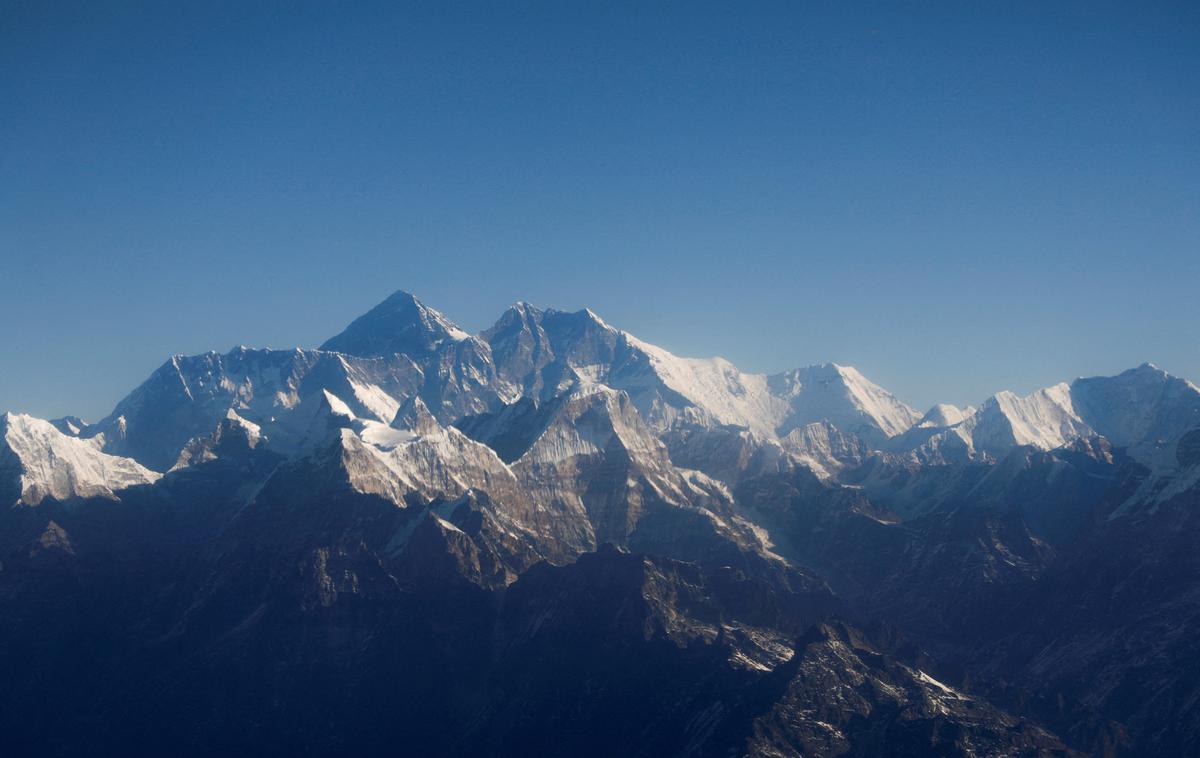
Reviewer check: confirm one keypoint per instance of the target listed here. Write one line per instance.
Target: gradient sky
(956, 198)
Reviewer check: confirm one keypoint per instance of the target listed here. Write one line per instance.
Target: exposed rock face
(1187, 450)
(845, 695)
(554, 538)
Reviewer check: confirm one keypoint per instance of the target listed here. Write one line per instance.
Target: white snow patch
(385, 437)
(381, 405)
(56, 465)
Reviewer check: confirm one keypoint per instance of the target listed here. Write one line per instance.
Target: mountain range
(554, 538)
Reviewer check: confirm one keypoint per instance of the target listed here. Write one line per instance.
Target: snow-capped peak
(400, 324)
(943, 415)
(1145, 410)
(844, 397)
(1044, 419)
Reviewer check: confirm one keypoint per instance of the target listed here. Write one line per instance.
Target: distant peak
(399, 324)
(401, 301)
(523, 310)
(944, 415)
(827, 368)
(398, 300)
(401, 296)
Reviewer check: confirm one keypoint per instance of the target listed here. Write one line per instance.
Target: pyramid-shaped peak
(944, 415)
(399, 324)
(842, 395)
(402, 296)
(415, 416)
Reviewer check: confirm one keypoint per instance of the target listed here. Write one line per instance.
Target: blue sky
(956, 198)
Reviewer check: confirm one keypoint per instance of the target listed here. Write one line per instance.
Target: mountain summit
(400, 324)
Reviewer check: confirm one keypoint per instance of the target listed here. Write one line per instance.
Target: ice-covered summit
(400, 324)
(844, 397)
(943, 415)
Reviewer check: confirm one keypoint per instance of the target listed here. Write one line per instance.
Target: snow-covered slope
(542, 351)
(1145, 410)
(844, 397)
(430, 461)
(43, 463)
(824, 448)
(1045, 419)
(188, 397)
(714, 386)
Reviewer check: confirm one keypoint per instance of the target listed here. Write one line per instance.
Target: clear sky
(956, 198)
